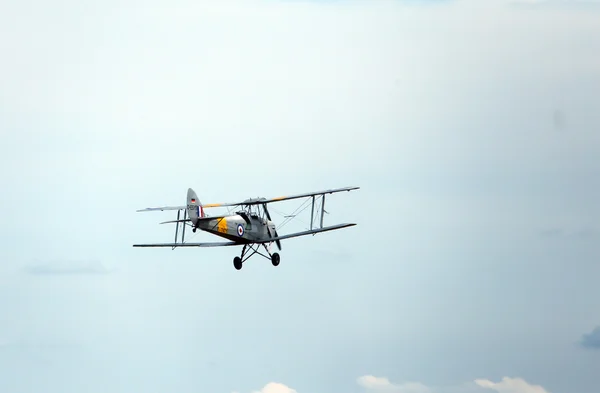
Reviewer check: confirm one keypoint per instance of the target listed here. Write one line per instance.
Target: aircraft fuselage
(237, 229)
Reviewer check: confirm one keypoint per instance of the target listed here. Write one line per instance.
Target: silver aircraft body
(250, 227)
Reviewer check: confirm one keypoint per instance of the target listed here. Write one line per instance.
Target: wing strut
(322, 209)
(312, 211)
(177, 227)
(183, 222)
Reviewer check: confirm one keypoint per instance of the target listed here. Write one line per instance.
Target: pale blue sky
(471, 128)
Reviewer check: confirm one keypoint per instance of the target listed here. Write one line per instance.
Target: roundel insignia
(240, 230)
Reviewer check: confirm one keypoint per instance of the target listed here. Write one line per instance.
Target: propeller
(269, 229)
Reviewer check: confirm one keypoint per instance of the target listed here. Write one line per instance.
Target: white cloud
(276, 387)
(382, 384)
(507, 385)
(374, 384)
(510, 385)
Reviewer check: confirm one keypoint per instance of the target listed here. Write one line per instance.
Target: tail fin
(194, 207)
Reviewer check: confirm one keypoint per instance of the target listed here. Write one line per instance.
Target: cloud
(510, 385)
(507, 385)
(374, 384)
(275, 387)
(381, 384)
(67, 267)
(591, 340)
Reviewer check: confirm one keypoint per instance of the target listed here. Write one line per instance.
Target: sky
(471, 128)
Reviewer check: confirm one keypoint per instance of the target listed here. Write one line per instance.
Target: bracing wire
(293, 214)
(299, 210)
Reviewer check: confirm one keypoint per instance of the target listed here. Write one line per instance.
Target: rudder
(194, 206)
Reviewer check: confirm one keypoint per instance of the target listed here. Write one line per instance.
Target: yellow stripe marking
(222, 226)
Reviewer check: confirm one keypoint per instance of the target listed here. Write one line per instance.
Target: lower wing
(269, 240)
(217, 244)
(304, 233)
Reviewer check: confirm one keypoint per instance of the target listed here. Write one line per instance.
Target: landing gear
(237, 263)
(251, 249)
(275, 259)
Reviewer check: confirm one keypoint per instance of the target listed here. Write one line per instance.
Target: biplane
(250, 227)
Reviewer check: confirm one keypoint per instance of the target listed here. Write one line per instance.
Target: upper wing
(253, 201)
(258, 201)
(217, 244)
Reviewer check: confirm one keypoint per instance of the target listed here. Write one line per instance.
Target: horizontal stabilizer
(162, 208)
(175, 221)
(200, 219)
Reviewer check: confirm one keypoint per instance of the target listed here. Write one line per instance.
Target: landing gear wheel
(275, 259)
(237, 263)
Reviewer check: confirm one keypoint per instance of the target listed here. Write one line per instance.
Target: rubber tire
(275, 259)
(237, 263)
